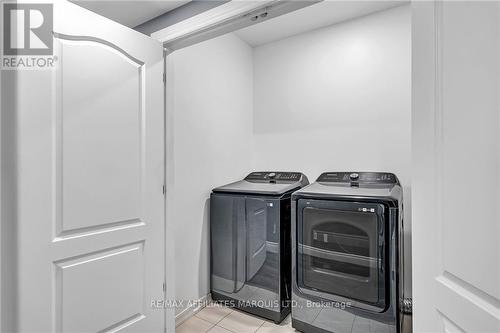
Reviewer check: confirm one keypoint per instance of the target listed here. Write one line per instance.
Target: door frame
(425, 96)
(168, 244)
(8, 193)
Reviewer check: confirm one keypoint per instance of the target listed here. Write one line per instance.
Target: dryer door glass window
(341, 250)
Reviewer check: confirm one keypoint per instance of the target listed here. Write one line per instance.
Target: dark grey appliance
(251, 242)
(347, 269)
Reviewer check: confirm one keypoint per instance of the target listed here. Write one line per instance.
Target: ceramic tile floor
(218, 319)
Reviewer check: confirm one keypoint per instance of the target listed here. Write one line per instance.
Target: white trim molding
(208, 19)
(222, 19)
(194, 307)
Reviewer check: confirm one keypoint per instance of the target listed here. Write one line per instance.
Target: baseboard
(190, 311)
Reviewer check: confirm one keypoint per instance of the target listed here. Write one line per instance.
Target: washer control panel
(358, 177)
(267, 176)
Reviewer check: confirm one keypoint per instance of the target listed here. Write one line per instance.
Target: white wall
(338, 98)
(209, 119)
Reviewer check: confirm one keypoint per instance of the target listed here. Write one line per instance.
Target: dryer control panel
(358, 178)
(270, 176)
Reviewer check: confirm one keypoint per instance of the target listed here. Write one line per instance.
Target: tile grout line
(212, 325)
(226, 329)
(232, 310)
(242, 313)
(258, 328)
(224, 317)
(216, 324)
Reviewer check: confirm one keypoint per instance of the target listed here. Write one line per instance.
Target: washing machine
(347, 254)
(251, 243)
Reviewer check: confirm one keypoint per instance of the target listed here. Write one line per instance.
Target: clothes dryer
(347, 262)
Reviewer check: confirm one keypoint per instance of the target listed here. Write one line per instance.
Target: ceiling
(130, 13)
(318, 15)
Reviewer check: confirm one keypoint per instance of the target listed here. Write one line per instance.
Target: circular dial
(354, 176)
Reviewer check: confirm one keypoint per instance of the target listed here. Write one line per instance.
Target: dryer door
(341, 252)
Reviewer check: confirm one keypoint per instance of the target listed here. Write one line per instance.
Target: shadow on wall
(204, 268)
(407, 241)
(187, 304)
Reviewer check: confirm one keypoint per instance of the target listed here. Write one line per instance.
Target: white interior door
(456, 176)
(90, 163)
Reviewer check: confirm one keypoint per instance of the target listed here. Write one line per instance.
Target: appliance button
(354, 176)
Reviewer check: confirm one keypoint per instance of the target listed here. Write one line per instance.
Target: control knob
(354, 176)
